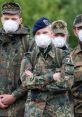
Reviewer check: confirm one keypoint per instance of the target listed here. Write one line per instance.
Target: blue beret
(39, 24)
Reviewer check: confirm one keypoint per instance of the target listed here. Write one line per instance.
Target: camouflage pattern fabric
(77, 86)
(73, 72)
(48, 98)
(12, 47)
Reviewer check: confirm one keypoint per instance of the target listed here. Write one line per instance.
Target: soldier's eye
(79, 28)
(37, 33)
(6, 18)
(60, 34)
(45, 32)
(14, 19)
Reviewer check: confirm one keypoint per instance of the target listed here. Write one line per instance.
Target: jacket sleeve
(67, 76)
(27, 44)
(19, 92)
(45, 80)
(67, 72)
(35, 81)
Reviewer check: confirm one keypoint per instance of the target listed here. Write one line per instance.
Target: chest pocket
(78, 71)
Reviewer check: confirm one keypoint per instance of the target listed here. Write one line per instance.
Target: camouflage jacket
(77, 86)
(77, 82)
(43, 64)
(12, 48)
(72, 71)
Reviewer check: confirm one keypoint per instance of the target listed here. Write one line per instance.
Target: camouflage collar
(78, 49)
(5, 39)
(50, 51)
(45, 51)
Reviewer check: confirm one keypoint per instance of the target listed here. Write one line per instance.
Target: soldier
(77, 61)
(49, 97)
(60, 40)
(60, 35)
(13, 43)
(73, 68)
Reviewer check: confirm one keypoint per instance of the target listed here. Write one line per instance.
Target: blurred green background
(52, 9)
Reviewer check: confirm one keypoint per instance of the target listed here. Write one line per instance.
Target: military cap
(78, 21)
(11, 8)
(40, 23)
(59, 26)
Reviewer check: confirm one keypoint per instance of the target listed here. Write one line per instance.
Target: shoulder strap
(34, 56)
(59, 55)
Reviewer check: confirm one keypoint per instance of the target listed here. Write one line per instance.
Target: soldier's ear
(20, 20)
(2, 19)
(75, 31)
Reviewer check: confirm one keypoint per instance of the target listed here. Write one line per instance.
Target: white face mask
(59, 41)
(10, 26)
(80, 35)
(43, 40)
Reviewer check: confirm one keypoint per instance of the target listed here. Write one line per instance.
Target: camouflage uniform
(73, 71)
(12, 47)
(48, 98)
(76, 88)
(61, 101)
(76, 79)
